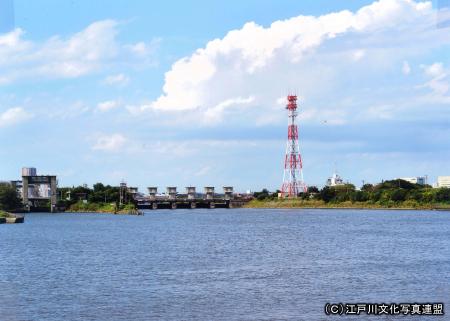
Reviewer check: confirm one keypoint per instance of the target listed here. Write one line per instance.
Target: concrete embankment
(12, 219)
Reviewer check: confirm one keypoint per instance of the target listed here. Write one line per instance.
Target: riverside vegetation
(99, 199)
(389, 194)
(9, 202)
(101, 208)
(4, 214)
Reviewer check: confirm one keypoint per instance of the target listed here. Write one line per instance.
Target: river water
(222, 264)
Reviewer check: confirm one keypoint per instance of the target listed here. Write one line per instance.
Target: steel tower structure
(293, 174)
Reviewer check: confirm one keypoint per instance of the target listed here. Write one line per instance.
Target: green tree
(367, 188)
(262, 195)
(9, 200)
(442, 195)
(344, 192)
(416, 195)
(397, 183)
(376, 195)
(98, 187)
(359, 196)
(327, 194)
(428, 196)
(398, 195)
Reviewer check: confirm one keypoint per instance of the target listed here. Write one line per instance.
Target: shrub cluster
(9, 199)
(98, 196)
(387, 193)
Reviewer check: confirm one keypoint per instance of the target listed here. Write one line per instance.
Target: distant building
(421, 180)
(135, 194)
(17, 185)
(36, 189)
(443, 181)
(335, 180)
(133, 190)
(29, 171)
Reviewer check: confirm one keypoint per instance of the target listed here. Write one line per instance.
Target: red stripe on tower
(293, 183)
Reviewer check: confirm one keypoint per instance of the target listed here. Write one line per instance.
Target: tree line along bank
(392, 193)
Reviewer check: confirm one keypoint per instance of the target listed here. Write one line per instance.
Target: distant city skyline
(179, 94)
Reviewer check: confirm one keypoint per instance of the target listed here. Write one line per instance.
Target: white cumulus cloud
(107, 105)
(13, 116)
(88, 51)
(143, 49)
(109, 143)
(314, 55)
(439, 82)
(214, 114)
(435, 70)
(117, 80)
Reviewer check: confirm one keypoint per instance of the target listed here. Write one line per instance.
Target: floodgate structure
(191, 199)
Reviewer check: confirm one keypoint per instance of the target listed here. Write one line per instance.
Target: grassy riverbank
(299, 203)
(4, 214)
(10, 218)
(393, 194)
(102, 208)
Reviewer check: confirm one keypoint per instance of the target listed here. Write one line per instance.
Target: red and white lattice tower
(293, 183)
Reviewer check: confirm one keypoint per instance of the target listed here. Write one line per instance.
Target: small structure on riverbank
(335, 180)
(10, 218)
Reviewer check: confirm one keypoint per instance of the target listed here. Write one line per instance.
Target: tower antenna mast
(293, 183)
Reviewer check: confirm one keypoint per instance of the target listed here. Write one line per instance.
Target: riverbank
(10, 218)
(121, 212)
(106, 208)
(299, 203)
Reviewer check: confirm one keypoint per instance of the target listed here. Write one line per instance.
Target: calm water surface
(239, 264)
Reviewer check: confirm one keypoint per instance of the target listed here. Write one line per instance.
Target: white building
(421, 180)
(335, 180)
(443, 181)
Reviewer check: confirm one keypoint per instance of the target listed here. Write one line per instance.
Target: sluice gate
(191, 199)
(189, 204)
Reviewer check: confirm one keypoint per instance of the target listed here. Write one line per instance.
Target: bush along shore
(6, 217)
(113, 208)
(9, 202)
(394, 194)
(98, 199)
(299, 203)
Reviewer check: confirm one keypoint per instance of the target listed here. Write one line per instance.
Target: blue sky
(173, 93)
